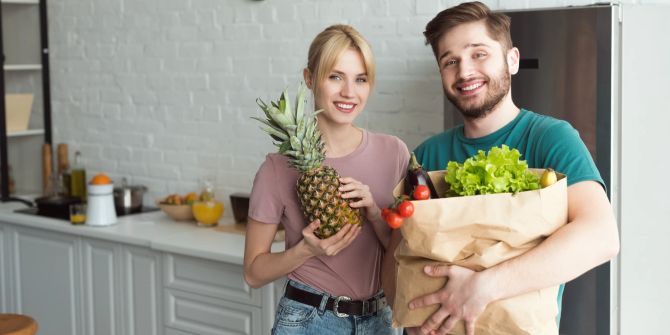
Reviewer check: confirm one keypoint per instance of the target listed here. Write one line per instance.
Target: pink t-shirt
(379, 162)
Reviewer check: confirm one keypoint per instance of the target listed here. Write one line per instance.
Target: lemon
(548, 178)
(208, 213)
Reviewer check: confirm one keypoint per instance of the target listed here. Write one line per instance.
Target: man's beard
(497, 89)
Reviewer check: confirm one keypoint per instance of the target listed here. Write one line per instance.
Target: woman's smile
(345, 107)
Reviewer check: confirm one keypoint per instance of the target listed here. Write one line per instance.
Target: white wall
(162, 90)
(645, 206)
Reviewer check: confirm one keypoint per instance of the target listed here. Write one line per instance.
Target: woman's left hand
(351, 188)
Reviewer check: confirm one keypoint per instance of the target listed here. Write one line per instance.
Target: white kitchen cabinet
(101, 288)
(75, 280)
(210, 316)
(143, 299)
(4, 293)
(121, 289)
(209, 278)
(74, 285)
(44, 278)
(210, 297)
(172, 331)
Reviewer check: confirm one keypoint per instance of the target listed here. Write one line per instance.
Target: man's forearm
(589, 239)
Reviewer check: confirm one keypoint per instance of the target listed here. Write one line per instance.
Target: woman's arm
(262, 266)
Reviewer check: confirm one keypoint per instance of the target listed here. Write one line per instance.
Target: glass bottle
(64, 169)
(78, 178)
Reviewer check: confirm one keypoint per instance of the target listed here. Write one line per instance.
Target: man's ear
(307, 75)
(513, 60)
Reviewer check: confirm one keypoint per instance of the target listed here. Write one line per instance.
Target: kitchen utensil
(100, 209)
(240, 204)
(55, 206)
(47, 168)
(128, 198)
(62, 160)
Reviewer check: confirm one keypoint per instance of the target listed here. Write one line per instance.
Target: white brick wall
(161, 91)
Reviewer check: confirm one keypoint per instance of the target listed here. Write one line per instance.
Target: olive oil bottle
(78, 178)
(64, 169)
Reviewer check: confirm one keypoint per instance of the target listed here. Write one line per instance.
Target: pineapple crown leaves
(295, 134)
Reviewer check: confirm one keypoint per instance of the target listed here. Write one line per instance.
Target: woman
(325, 273)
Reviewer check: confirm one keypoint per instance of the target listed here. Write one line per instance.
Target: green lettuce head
(499, 171)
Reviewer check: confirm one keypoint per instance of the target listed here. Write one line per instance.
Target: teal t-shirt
(543, 141)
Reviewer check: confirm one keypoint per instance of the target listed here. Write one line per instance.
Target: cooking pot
(56, 206)
(128, 198)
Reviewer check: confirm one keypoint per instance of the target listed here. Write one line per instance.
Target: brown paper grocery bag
(478, 232)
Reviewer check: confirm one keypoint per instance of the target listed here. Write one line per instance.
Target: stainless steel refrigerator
(566, 72)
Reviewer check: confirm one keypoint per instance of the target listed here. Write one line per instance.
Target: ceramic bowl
(176, 212)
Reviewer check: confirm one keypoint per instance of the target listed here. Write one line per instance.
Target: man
(476, 60)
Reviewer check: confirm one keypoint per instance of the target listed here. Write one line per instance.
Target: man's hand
(464, 297)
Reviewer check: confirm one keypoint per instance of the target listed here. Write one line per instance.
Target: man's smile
(470, 88)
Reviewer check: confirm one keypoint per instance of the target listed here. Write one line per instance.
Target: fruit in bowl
(176, 207)
(207, 213)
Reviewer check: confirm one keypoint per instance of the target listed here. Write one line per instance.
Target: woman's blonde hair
(328, 45)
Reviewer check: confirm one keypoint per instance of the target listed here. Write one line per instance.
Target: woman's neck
(340, 140)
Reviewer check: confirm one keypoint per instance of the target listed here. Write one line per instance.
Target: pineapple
(298, 138)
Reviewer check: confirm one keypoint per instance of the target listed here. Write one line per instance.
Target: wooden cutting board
(240, 228)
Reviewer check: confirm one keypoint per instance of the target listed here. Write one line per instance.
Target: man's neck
(496, 119)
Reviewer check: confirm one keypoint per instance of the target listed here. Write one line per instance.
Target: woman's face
(344, 92)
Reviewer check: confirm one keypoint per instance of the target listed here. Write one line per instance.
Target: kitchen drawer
(205, 315)
(209, 278)
(172, 331)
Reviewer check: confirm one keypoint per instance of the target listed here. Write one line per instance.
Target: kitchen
(162, 93)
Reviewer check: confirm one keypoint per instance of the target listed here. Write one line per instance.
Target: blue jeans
(297, 318)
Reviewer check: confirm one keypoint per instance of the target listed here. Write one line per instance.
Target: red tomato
(385, 212)
(406, 209)
(421, 192)
(394, 220)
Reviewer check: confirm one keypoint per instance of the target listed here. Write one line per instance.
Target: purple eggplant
(417, 176)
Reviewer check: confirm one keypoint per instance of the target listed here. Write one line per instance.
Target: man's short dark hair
(497, 24)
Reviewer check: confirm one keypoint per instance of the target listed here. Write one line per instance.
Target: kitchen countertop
(153, 230)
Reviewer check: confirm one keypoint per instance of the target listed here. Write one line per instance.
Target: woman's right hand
(330, 246)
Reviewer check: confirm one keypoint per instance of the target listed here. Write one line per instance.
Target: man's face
(475, 71)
